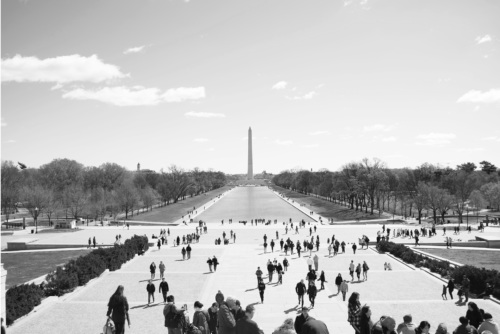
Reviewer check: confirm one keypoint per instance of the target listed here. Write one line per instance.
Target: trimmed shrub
(21, 300)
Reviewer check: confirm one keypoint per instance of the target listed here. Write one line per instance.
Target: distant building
(144, 171)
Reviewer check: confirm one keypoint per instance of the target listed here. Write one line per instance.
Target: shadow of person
(208, 272)
(295, 308)
(251, 290)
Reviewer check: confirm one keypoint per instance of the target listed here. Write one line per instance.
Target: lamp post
(36, 220)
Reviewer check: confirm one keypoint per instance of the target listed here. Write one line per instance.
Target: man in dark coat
(312, 326)
(163, 289)
(300, 289)
(225, 317)
(246, 325)
(150, 288)
(301, 319)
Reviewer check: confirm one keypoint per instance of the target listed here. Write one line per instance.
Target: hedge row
(21, 299)
(478, 277)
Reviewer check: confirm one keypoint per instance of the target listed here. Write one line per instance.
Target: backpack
(171, 319)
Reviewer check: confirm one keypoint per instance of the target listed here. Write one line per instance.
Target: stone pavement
(396, 293)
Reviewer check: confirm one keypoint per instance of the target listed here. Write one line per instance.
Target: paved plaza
(397, 292)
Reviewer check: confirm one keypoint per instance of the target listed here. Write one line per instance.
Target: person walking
(262, 287)
(163, 289)
(161, 266)
(272, 245)
(300, 290)
(215, 263)
(365, 271)
(201, 318)
(258, 273)
(225, 316)
(365, 322)
(338, 281)
(342, 245)
(270, 270)
(351, 270)
(246, 325)
(118, 310)
(322, 280)
(285, 264)
(183, 252)
(298, 249)
(209, 261)
(358, 271)
(465, 288)
(90, 243)
(265, 247)
(188, 251)
(344, 288)
(316, 260)
(354, 247)
(310, 263)
(312, 291)
(354, 312)
(301, 319)
(150, 288)
(152, 270)
(451, 287)
(159, 244)
(94, 241)
(172, 316)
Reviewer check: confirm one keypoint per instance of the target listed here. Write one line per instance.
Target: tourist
(313, 326)
(159, 244)
(262, 287)
(442, 329)
(183, 252)
(118, 310)
(464, 327)
(173, 316)
(388, 324)
(351, 270)
(312, 291)
(423, 328)
(365, 271)
(473, 315)
(358, 271)
(316, 260)
(201, 318)
(300, 290)
(152, 269)
(298, 248)
(354, 248)
(281, 244)
(150, 288)
(285, 264)
(354, 311)
(209, 261)
(406, 327)
(163, 288)
(310, 263)
(90, 242)
(161, 266)
(365, 322)
(343, 246)
(322, 279)
(227, 322)
(270, 270)
(238, 311)
(94, 241)
(258, 273)
(188, 251)
(215, 263)
(265, 247)
(488, 325)
(246, 325)
(465, 288)
(301, 319)
(212, 319)
(338, 281)
(451, 287)
(272, 246)
(286, 327)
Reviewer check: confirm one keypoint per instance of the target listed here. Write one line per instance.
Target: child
(460, 293)
(444, 292)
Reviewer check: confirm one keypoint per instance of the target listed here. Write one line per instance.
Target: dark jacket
(338, 280)
(163, 287)
(300, 288)
(227, 323)
(247, 326)
(150, 288)
(312, 326)
(300, 321)
(200, 320)
(118, 308)
(312, 291)
(475, 318)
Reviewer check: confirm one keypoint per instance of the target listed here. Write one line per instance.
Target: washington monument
(250, 158)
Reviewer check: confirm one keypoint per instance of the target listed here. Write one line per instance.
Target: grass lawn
(328, 209)
(172, 212)
(477, 258)
(25, 266)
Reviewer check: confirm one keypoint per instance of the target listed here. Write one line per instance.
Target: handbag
(109, 327)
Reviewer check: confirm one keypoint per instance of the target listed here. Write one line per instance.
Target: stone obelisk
(250, 155)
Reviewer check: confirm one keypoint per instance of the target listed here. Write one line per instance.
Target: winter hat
(219, 297)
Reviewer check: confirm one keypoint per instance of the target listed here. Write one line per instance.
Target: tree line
(371, 186)
(67, 188)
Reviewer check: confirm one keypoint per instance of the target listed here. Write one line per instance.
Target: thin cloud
(377, 128)
(477, 96)
(319, 133)
(136, 49)
(283, 142)
(491, 138)
(63, 69)
(135, 96)
(202, 114)
(473, 149)
(306, 96)
(483, 39)
(309, 145)
(389, 139)
(200, 140)
(279, 85)
(435, 139)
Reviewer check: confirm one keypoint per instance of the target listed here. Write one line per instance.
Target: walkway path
(396, 292)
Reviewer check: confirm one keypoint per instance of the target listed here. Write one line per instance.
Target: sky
(321, 83)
